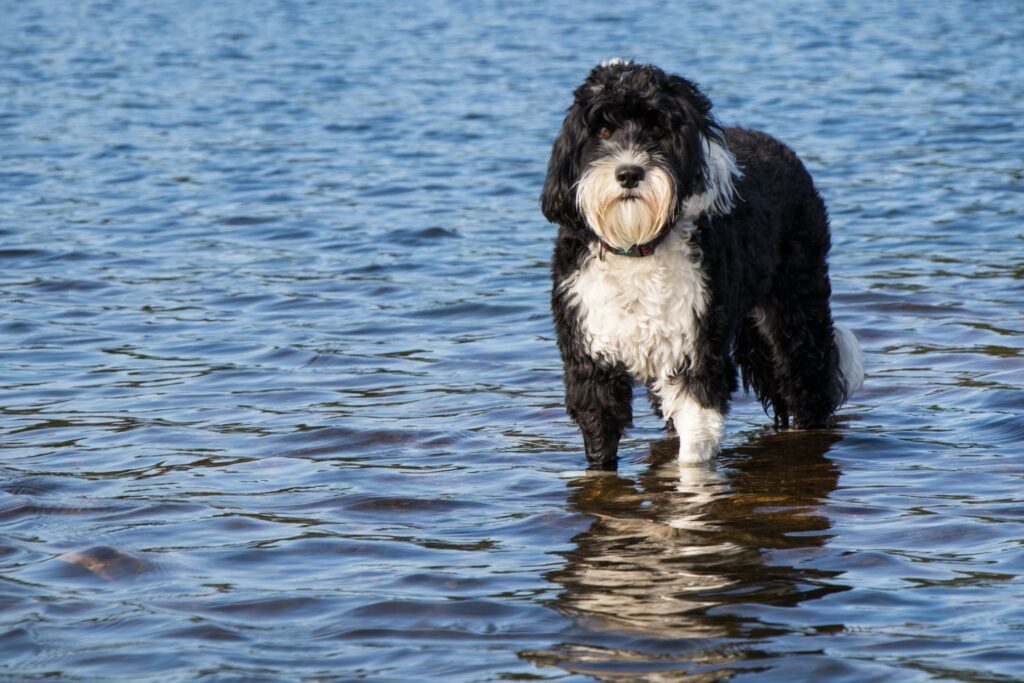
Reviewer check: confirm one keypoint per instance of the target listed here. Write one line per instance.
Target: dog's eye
(657, 131)
(605, 132)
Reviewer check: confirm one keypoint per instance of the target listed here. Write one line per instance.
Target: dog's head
(639, 149)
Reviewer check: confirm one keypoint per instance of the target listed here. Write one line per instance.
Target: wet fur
(741, 282)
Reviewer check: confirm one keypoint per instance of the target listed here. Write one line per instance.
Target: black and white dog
(685, 249)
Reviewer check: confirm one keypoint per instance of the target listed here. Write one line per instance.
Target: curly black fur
(765, 260)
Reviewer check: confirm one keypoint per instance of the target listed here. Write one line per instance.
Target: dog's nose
(629, 175)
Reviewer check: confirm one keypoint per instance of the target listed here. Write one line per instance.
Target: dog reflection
(668, 550)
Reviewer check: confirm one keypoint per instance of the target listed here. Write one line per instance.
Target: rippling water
(279, 393)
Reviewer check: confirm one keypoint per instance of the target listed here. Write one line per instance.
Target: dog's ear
(558, 199)
(687, 98)
(698, 129)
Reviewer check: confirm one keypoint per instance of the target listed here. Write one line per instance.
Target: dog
(686, 249)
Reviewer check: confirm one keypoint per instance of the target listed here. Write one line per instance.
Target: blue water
(280, 400)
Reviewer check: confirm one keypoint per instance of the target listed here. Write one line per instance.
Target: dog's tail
(850, 366)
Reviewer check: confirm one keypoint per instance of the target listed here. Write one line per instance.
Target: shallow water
(280, 398)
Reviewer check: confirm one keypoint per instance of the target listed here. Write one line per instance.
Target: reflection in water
(671, 552)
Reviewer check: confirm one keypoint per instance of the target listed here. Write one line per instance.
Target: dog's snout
(629, 175)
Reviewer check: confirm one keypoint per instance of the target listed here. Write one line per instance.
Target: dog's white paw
(697, 451)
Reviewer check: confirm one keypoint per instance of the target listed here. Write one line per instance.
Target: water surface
(280, 398)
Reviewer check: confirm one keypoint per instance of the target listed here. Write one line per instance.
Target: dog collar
(639, 250)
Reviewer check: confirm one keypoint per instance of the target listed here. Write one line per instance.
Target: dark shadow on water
(664, 581)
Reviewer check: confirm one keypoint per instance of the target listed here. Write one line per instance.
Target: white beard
(620, 222)
(624, 223)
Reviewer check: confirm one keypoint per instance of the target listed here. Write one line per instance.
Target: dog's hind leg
(756, 358)
(816, 366)
(809, 379)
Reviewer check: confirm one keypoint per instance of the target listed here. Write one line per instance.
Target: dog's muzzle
(626, 197)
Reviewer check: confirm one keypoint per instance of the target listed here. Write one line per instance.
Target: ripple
(280, 387)
(402, 506)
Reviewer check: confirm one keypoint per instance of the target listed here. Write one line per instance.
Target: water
(280, 398)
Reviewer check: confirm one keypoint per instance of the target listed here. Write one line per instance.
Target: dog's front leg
(699, 426)
(599, 400)
(700, 431)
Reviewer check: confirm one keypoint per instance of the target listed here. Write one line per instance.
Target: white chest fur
(642, 312)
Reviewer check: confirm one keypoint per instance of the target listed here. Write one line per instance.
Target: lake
(279, 392)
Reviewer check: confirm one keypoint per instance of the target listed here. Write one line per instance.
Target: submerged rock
(106, 562)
